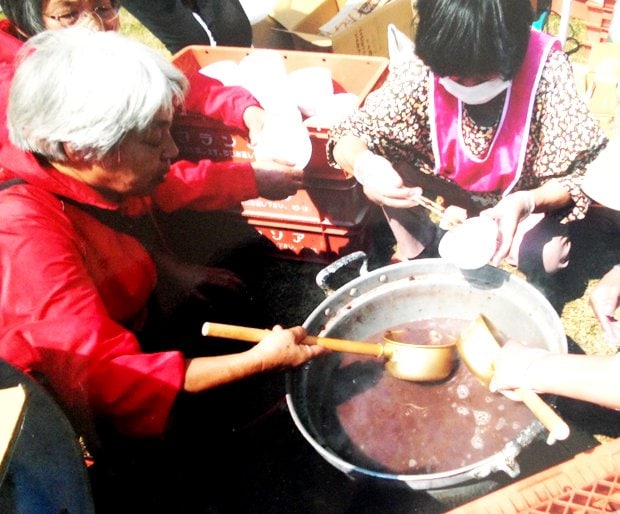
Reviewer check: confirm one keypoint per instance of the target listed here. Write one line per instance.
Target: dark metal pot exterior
(419, 290)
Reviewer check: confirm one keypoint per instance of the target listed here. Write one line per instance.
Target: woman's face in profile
(134, 167)
(142, 159)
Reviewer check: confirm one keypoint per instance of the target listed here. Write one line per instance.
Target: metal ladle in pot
(414, 362)
(478, 348)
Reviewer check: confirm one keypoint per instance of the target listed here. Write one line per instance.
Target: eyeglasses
(106, 13)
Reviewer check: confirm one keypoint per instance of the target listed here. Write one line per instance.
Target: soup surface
(379, 422)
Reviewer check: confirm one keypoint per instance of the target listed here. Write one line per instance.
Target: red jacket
(72, 288)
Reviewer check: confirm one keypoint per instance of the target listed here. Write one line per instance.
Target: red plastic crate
(596, 17)
(339, 203)
(326, 217)
(313, 242)
(595, 34)
(198, 136)
(589, 483)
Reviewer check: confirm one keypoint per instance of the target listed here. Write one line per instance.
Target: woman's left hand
(508, 213)
(254, 119)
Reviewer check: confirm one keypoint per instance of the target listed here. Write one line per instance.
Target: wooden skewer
(431, 205)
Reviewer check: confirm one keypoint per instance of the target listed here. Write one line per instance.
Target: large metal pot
(405, 292)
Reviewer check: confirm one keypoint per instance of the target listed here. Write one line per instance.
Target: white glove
(517, 205)
(508, 213)
(512, 366)
(382, 183)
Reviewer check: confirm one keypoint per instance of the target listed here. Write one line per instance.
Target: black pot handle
(327, 273)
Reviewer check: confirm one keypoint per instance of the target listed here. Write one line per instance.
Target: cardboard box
(367, 36)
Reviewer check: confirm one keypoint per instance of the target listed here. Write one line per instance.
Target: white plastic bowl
(333, 110)
(263, 73)
(283, 138)
(310, 87)
(471, 244)
(227, 72)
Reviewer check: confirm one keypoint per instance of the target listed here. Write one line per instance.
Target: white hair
(87, 89)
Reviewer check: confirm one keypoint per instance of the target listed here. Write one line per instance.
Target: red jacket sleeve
(9, 44)
(51, 306)
(210, 97)
(206, 186)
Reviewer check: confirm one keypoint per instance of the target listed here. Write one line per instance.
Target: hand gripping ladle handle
(254, 335)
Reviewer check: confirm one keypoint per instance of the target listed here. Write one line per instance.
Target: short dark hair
(25, 15)
(467, 38)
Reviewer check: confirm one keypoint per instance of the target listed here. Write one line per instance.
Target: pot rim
(345, 299)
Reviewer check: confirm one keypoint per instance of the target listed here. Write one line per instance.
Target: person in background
(180, 23)
(77, 276)
(25, 19)
(602, 184)
(485, 110)
(605, 300)
(590, 378)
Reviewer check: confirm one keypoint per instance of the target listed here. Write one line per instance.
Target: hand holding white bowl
(471, 244)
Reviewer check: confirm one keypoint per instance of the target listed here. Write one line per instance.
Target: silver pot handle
(323, 276)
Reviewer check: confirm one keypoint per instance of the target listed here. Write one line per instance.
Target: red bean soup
(390, 425)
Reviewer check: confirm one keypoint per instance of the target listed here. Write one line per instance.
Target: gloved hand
(508, 213)
(382, 183)
(512, 364)
(254, 119)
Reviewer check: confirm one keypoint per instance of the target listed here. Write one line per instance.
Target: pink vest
(501, 168)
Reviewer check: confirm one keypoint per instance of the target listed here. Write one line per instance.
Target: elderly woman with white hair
(234, 106)
(234, 248)
(89, 114)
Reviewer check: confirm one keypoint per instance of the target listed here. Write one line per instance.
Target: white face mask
(478, 94)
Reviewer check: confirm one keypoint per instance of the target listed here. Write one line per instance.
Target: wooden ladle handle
(557, 427)
(254, 335)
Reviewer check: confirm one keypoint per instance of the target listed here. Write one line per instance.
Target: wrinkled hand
(382, 183)
(277, 180)
(508, 213)
(254, 119)
(284, 349)
(511, 367)
(604, 300)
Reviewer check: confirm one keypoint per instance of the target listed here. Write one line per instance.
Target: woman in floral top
(485, 112)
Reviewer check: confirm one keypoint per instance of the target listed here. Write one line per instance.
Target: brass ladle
(414, 362)
(478, 348)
